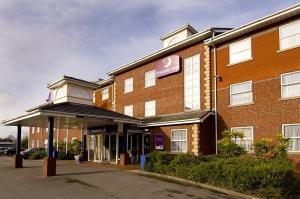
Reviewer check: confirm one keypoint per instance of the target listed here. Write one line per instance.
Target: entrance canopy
(70, 115)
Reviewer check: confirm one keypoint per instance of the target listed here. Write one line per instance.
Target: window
(289, 35)
(241, 93)
(38, 129)
(179, 140)
(46, 142)
(240, 51)
(37, 144)
(32, 144)
(128, 110)
(150, 78)
(247, 141)
(104, 93)
(192, 83)
(292, 131)
(290, 85)
(128, 85)
(32, 130)
(74, 138)
(150, 108)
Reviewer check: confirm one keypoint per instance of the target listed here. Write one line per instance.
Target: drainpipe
(215, 93)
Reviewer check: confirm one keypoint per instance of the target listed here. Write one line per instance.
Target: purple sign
(167, 65)
(159, 142)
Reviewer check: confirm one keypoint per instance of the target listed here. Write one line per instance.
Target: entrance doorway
(104, 147)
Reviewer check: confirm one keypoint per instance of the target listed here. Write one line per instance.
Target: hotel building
(180, 97)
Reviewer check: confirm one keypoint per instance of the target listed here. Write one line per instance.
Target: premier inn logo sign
(167, 66)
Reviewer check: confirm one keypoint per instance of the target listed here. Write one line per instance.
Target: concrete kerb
(192, 183)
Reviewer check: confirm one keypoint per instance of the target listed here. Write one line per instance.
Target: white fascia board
(253, 25)
(192, 39)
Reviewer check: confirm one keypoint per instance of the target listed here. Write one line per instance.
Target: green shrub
(38, 155)
(254, 175)
(268, 148)
(227, 147)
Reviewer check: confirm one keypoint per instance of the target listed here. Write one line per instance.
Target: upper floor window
(128, 110)
(179, 140)
(38, 129)
(290, 85)
(192, 83)
(150, 78)
(241, 93)
(247, 141)
(32, 129)
(104, 93)
(240, 51)
(289, 35)
(150, 108)
(128, 85)
(292, 131)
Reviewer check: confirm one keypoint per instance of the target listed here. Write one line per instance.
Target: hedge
(261, 177)
(38, 155)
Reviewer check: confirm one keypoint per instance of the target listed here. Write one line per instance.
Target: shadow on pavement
(86, 173)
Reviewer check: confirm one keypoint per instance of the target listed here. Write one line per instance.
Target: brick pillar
(195, 139)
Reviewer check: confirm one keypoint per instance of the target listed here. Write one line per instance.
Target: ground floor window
(179, 140)
(247, 141)
(292, 131)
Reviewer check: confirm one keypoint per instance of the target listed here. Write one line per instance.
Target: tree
(24, 142)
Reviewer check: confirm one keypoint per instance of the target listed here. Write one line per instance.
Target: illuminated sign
(167, 66)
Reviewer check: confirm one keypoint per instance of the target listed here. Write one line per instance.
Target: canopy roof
(70, 115)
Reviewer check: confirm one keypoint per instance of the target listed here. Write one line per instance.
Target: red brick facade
(268, 111)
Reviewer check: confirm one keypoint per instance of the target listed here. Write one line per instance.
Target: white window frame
(280, 30)
(104, 94)
(295, 124)
(151, 80)
(127, 113)
(235, 43)
(38, 129)
(38, 144)
(193, 88)
(32, 143)
(128, 90)
(146, 110)
(281, 85)
(230, 93)
(244, 127)
(32, 130)
(186, 140)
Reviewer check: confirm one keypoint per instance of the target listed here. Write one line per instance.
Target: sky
(40, 41)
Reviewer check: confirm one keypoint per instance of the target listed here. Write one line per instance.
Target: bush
(227, 147)
(65, 156)
(254, 175)
(38, 155)
(268, 148)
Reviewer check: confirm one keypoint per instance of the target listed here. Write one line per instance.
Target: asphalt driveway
(82, 181)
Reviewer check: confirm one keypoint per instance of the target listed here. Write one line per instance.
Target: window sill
(289, 98)
(293, 152)
(149, 86)
(104, 100)
(241, 105)
(246, 60)
(127, 92)
(283, 50)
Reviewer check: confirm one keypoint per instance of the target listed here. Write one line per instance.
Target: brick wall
(106, 104)
(168, 91)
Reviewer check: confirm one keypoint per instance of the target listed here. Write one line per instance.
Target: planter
(78, 158)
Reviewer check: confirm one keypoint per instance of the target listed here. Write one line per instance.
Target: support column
(50, 161)
(18, 163)
(117, 147)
